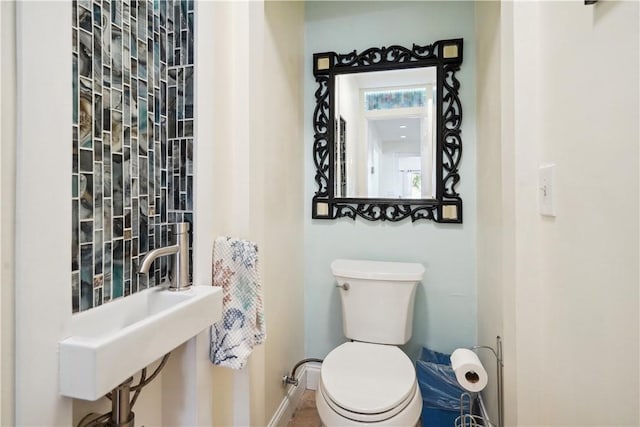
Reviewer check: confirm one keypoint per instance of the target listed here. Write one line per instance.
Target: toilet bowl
(370, 381)
(365, 384)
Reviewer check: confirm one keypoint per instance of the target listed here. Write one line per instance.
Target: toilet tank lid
(377, 270)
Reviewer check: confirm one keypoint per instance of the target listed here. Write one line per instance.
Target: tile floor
(306, 415)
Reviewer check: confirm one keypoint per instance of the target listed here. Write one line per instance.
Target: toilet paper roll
(469, 370)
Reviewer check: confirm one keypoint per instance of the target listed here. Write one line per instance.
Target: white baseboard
(313, 374)
(290, 402)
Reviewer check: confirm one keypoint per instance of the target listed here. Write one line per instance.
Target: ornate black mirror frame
(446, 207)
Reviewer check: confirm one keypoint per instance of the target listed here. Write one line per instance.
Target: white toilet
(370, 381)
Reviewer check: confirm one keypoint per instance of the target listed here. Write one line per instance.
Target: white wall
(377, 179)
(490, 195)
(7, 208)
(351, 111)
(388, 173)
(42, 251)
(508, 221)
(586, 274)
(445, 313)
(570, 314)
(391, 179)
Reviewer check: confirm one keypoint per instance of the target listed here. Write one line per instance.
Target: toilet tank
(378, 305)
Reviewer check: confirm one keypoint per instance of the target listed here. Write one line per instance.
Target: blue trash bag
(437, 381)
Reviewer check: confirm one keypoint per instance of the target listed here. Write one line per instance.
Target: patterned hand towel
(235, 269)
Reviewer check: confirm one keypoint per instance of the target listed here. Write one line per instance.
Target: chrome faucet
(179, 272)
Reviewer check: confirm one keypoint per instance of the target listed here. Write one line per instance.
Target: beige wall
(569, 95)
(231, 167)
(283, 205)
(258, 188)
(250, 129)
(242, 190)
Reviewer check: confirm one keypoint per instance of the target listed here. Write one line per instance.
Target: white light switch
(546, 192)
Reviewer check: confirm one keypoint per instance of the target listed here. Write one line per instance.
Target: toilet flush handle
(344, 286)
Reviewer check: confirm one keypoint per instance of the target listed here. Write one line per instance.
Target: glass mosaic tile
(75, 236)
(75, 162)
(118, 226)
(132, 175)
(86, 277)
(85, 51)
(84, 19)
(107, 215)
(116, 269)
(97, 116)
(107, 269)
(116, 12)
(85, 106)
(86, 195)
(86, 161)
(97, 13)
(74, 186)
(97, 56)
(86, 232)
(127, 259)
(97, 150)
(127, 106)
(75, 291)
(106, 169)
(75, 84)
(126, 175)
(97, 199)
(97, 255)
(97, 297)
(116, 184)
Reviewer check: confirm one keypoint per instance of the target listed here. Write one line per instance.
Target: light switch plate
(546, 190)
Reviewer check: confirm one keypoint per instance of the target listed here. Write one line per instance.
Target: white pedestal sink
(112, 342)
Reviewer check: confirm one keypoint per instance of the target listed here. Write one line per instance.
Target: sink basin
(110, 343)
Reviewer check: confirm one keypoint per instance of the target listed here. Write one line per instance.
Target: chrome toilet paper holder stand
(497, 352)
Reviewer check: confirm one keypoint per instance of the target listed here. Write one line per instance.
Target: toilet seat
(367, 382)
(360, 417)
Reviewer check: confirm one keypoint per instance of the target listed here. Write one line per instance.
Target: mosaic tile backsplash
(133, 120)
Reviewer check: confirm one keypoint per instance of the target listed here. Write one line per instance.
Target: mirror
(393, 149)
(391, 134)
